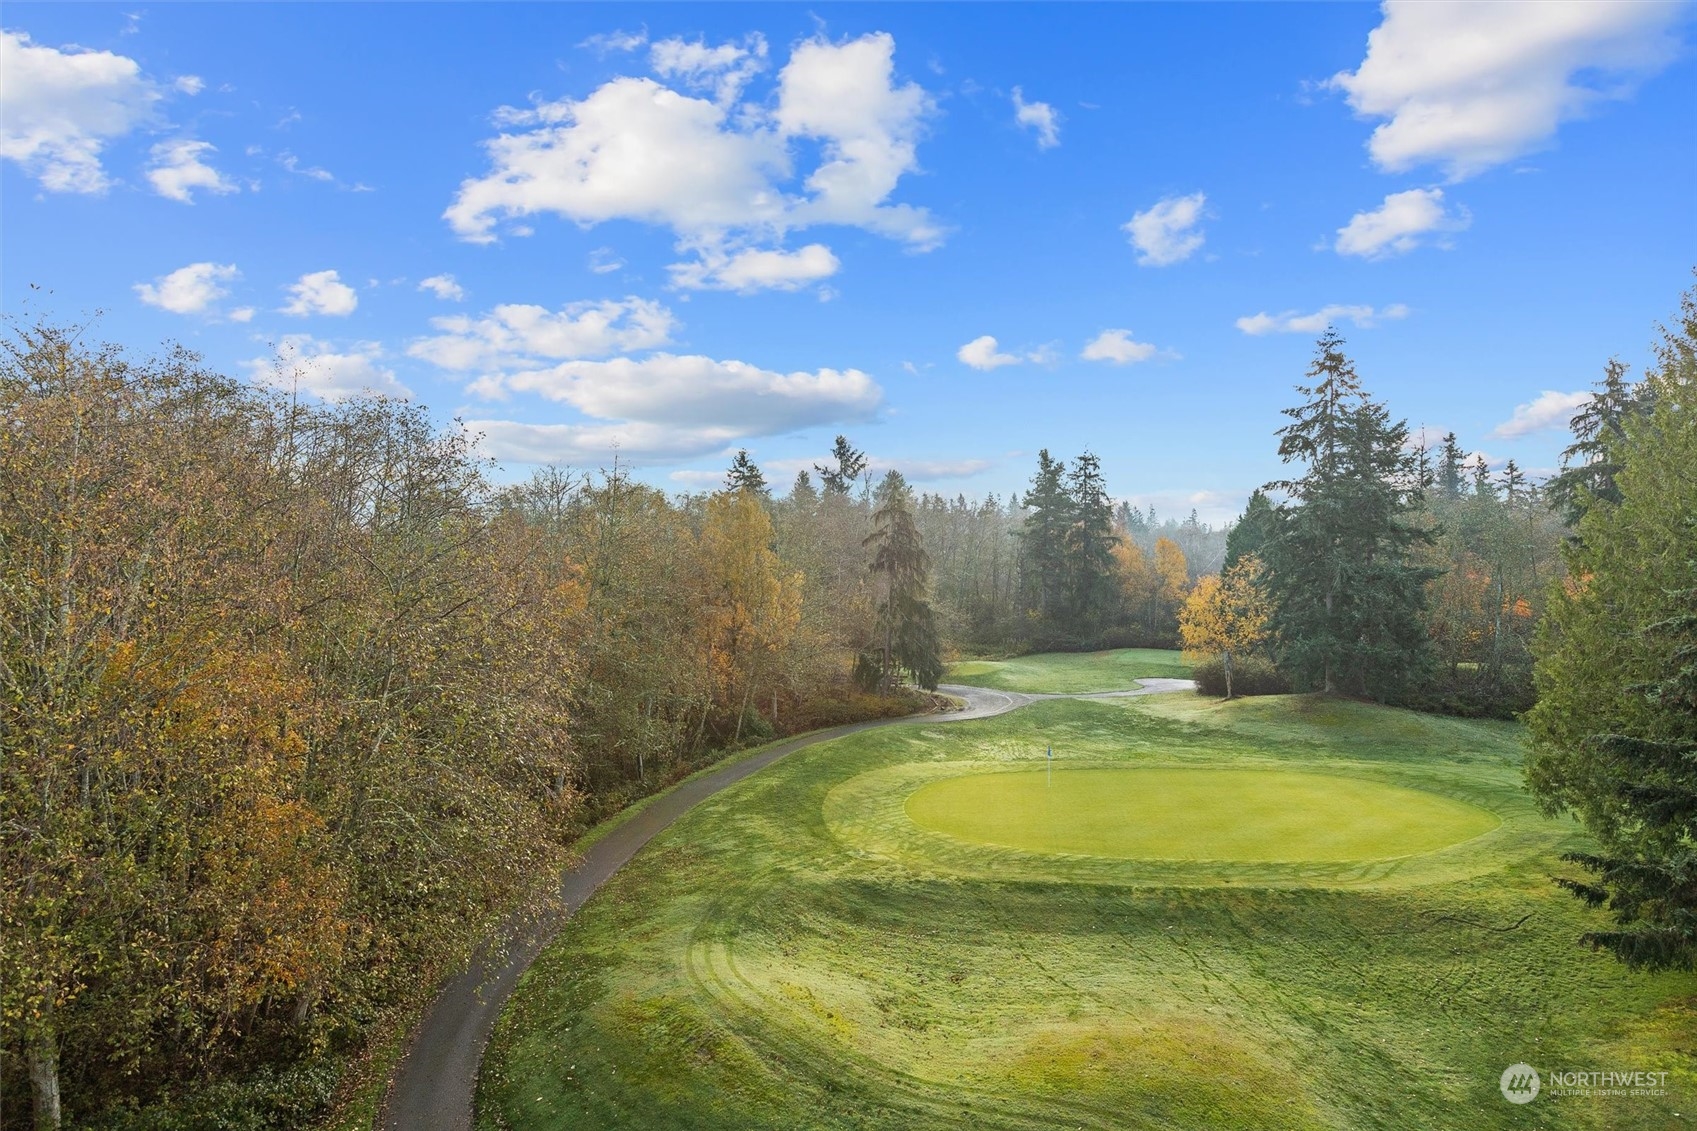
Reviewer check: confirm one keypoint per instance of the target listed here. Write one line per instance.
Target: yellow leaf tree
(1226, 615)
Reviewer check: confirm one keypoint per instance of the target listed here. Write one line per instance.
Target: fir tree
(745, 475)
(850, 463)
(907, 627)
(1348, 602)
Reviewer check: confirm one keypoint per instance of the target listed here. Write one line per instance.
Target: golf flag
(1051, 752)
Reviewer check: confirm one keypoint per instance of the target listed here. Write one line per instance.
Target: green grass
(1223, 815)
(798, 953)
(1070, 673)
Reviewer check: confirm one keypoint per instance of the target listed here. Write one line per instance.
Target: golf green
(1249, 816)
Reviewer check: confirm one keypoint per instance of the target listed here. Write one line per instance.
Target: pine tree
(1450, 459)
(850, 463)
(1089, 550)
(1588, 464)
(1252, 532)
(1614, 733)
(1049, 515)
(907, 628)
(745, 475)
(1348, 602)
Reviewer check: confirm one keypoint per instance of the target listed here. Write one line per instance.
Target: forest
(301, 701)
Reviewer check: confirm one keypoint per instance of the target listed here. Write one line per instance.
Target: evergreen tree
(1091, 592)
(745, 475)
(1614, 733)
(1450, 458)
(1348, 602)
(850, 463)
(1588, 464)
(1049, 515)
(803, 496)
(1252, 532)
(907, 628)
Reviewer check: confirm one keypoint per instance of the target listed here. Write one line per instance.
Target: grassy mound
(796, 952)
(1070, 673)
(1222, 815)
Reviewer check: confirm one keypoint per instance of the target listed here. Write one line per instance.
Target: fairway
(1071, 673)
(1282, 912)
(1247, 816)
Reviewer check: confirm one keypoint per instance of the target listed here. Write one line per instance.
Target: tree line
(297, 706)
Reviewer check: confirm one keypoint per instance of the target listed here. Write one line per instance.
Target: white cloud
(666, 407)
(983, 353)
(753, 270)
(1118, 347)
(722, 175)
(1040, 116)
(724, 70)
(1292, 322)
(1470, 85)
(632, 442)
(190, 85)
(1167, 232)
(616, 41)
(189, 290)
(313, 172)
(443, 287)
(603, 260)
(520, 336)
(315, 366)
(242, 314)
(1549, 410)
(177, 168)
(695, 392)
(58, 109)
(696, 477)
(1398, 225)
(321, 292)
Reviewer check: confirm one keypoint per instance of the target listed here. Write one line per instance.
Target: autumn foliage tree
(1226, 615)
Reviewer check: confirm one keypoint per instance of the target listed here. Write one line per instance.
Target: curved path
(433, 1086)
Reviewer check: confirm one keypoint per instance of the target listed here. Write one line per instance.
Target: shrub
(1251, 675)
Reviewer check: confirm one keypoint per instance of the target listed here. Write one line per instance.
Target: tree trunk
(1227, 664)
(43, 1057)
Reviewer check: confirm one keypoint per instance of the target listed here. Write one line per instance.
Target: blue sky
(956, 233)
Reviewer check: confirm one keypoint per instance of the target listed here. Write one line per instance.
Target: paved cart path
(433, 1086)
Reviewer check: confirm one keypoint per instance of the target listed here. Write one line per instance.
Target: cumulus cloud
(928, 470)
(753, 270)
(1167, 232)
(1117, 346)
(1400, 224)
(178, 167)
(667, 407)
(1039, 116)
(1547, 411)
(443, 287)
(1468, 85)
(522, 336)
(317, 367)
(723, 70)
(190, 85)
(695, 392)
(1292, 322)
(983, 353)
(721, 174)
(189, 290)
(59, 109)
(321, 292)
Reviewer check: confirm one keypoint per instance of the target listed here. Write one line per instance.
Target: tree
(1614, 732)
(1251, 533)
(1347, 597)
(907, 628)
(753, 605)
(1048, 518)
(850, 463)
(1226, 615)
(1450, 460)
(1088, 546)
(1588, 464)
(1172, 579)
(745, 475)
